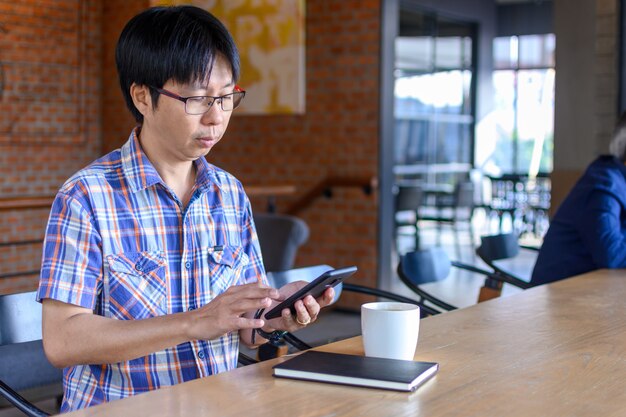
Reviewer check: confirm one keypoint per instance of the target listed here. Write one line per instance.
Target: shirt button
(138, 267)
(201, 355)
(188, 265)
(191, 308)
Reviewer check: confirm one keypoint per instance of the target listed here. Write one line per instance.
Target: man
(588, 231)
(151, 270)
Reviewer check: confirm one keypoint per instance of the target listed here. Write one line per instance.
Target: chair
(433, 265)
(25, 373)
(511, 262)
(453, 210)
(504, 254)
(280, 236)
(407, 202)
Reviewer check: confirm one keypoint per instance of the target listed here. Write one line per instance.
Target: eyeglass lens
(200, 105)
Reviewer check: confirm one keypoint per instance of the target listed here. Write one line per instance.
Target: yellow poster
(270, 37)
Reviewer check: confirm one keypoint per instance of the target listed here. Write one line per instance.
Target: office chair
(453, 209)
(407, 202)
(280, 236)
(433, 265)
(25, 373)
(510, 260)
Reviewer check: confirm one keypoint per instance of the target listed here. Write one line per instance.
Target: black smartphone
(315, 288)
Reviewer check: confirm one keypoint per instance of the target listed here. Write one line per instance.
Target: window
(434, 86)
(523, 81)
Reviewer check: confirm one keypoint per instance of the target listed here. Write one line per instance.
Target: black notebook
(363, 371)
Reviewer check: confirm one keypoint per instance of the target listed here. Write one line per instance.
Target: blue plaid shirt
(119, 242)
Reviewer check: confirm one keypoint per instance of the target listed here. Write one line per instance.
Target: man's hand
(307, 309)
(225, 313)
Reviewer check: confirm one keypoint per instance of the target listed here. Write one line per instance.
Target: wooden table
(556, 350)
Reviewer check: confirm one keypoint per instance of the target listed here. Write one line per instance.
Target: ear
(141, 98)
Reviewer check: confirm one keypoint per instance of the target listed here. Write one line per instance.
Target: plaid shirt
(120, 243)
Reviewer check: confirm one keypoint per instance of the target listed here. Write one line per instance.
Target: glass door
(433, 113)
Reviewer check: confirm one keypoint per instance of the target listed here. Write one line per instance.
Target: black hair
(179, 43)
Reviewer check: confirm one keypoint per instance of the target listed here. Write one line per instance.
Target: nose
(214, 116)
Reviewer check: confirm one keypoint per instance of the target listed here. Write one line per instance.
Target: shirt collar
(205, 175)
(141, 174)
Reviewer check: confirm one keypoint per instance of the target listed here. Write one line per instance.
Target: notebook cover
(357, 370)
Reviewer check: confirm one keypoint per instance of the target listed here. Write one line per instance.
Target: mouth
(207, 141)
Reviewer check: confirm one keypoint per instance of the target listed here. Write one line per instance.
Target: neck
(179, 176)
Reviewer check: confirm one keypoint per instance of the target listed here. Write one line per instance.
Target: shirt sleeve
(71, 268)
(601, 230)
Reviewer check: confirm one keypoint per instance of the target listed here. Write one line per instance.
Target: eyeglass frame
(238, 90)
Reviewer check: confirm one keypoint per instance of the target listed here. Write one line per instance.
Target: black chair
(280, 236)
(25, 373)
(433, 265)
(408, 199)
(454, 210)
(510, 261)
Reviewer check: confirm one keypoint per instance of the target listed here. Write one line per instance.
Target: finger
(254, 290)
(326, 298)
(302, 314)
(289, 321)
(245, 301)
(247, 323)
(238, 306)
(312, 307)
(329, 295)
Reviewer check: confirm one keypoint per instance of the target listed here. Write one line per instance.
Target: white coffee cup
(390, 330)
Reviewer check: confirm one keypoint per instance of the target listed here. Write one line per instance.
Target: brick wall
(49, 114)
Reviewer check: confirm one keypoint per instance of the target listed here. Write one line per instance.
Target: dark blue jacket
(588, 231)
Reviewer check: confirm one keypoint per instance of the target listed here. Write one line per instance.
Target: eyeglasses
(202, 104)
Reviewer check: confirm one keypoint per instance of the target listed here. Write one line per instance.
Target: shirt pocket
(226, 267)
(137, 285)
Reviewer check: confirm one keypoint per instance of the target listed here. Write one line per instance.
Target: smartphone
(315, 288)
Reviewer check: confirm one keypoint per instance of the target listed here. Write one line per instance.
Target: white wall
(574, 118)
(586, 86)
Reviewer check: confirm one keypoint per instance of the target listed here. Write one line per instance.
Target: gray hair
(617, 147)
